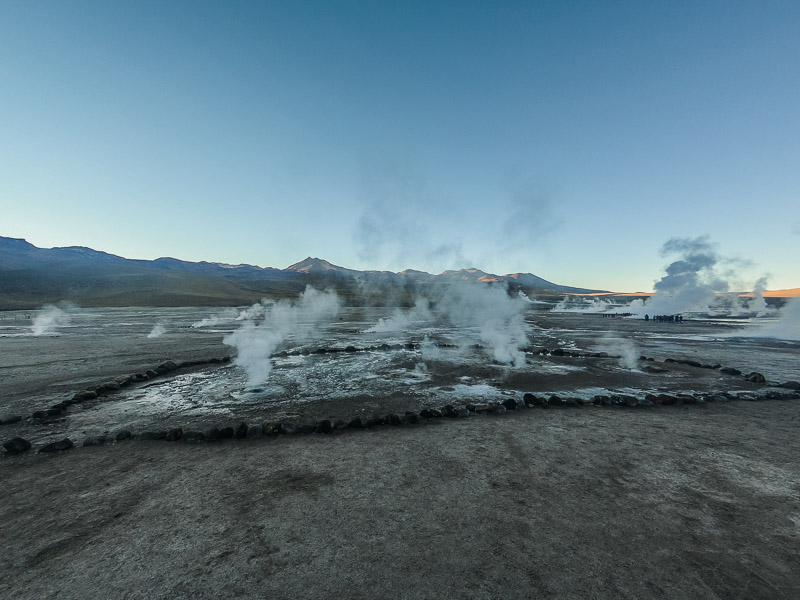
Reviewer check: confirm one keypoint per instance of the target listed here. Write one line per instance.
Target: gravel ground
(694, 501)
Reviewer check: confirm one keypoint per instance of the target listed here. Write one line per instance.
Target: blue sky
(567, 139)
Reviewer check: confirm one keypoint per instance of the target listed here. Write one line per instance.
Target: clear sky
(567, 139)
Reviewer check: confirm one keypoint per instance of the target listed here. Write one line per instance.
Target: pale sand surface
(695, 501)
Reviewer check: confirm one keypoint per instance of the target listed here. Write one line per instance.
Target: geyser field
(644, 464)
(300, 362)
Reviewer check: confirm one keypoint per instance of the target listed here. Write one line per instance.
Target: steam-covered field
(686, 501)
(294, 363)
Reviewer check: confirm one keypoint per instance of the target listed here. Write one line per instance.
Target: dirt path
(670, 502)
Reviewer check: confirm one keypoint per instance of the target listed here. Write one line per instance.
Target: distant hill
(31, 276)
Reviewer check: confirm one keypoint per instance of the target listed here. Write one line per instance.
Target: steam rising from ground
(622, 347)
(693, 281)
(220, 318)
(158, 330)
(497, 317)
(787, 327)
(50, 319)
(267, 324)
(402, 320)
(577, 304)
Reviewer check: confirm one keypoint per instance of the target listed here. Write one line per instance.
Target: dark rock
(214, 434)
(601, 400)
(791, 385)
(153, 435)
(84, 395)
(755, 377)
(375, 422)
(39, 414)
(555, 401)
(529, 399)
(255, 431)
(449, 411)
(436, 413)
(462, 411)
(510, 404)
(572, 402)
(470, 407)
(58, 446)
(730, 371)
(687, 399)
(393, 419)
(168, 366)
(226, 433)
(653, 398)
(655, 369)
(643, 402)
(481, 408)
(273, 429)
(411, 417)
(109, 386)
(10, 420)
(193, 436)
(151, 373)
(557, 352)
(174, 434)
(16, 445)
(351, 349)
(498, 409)
(241, 431)
(95, 440)
(339, 424)
(425, 413)
(356, 423)
(305, 428)
(773, 396)
(325, 426)
(667, 400)
(53, 412)
(124, 435)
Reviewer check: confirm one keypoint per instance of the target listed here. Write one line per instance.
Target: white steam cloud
(488, 310)
(622, 347)
(158, 330)
(49, 319)
(226, 316)
(402, 320)
(267, 324)
(576, 304)
(693, 281)
(787, 327)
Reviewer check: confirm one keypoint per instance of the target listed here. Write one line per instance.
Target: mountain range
(32, 276)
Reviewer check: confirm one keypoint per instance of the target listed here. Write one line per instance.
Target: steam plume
(787, 327)
(50, 319)
(488, 310)
(267, 324)
(157, 331)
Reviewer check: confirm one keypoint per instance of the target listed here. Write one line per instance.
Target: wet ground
(446, 365)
